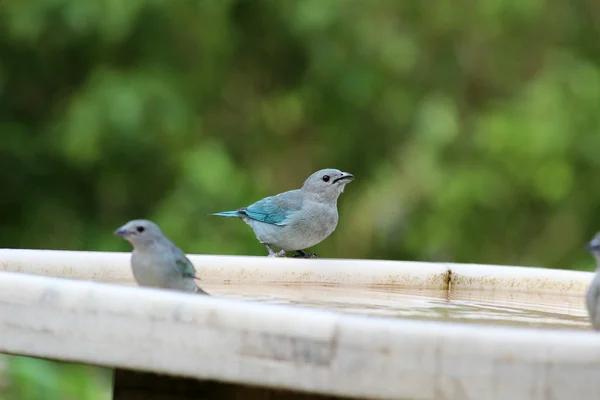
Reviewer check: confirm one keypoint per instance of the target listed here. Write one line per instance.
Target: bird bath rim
(296, 348)
(113, 267)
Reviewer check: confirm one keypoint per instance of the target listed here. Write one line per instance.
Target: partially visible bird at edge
(592, 296)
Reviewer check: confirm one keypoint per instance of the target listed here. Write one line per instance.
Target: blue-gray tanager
(156, 261)
(297, 219)
(592, 297)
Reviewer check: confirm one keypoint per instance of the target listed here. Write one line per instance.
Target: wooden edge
(114, 268)
(518, 279)
(290, 347)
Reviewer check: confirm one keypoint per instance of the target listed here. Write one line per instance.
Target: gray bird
(592, 297)
(155, 260)
(297, 219)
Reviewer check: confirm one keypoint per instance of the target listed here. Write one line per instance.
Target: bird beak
(122, 232)
(345, 178)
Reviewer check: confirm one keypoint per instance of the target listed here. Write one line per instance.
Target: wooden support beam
(133, 385)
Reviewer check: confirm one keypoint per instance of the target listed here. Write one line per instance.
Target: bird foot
(303, 254)
(272, 253)
(279, 254)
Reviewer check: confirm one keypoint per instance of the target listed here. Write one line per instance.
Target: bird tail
(227, 214)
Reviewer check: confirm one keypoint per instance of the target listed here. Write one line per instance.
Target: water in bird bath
(551, 311)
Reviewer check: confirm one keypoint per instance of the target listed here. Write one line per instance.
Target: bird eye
(140, 229)
(326, 178)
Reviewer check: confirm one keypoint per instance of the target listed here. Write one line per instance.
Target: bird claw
(303, 254)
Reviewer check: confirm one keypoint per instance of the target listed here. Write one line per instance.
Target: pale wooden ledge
(114, 268)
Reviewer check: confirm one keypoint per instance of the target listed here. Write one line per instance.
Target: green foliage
(32, 379)
(472, 127)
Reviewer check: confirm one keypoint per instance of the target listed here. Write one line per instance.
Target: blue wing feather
(185, 266)
(182, 263)
(275, 210)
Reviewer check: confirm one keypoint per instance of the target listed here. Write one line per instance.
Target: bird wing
(183, 264)
(275, 210)
(186, 267)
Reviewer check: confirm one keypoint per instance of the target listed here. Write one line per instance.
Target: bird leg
(272, 253)
(303, 254)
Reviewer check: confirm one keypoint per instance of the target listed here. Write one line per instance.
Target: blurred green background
(472, 129)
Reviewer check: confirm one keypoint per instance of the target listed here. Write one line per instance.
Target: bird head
(327, 183)
(139, 232)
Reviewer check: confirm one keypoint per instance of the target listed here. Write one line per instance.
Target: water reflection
(550, 311)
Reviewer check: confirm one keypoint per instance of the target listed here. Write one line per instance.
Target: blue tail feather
(228, 214)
